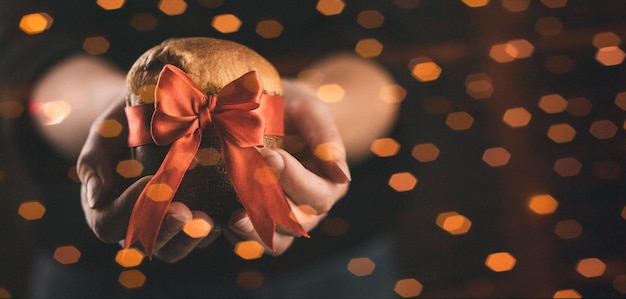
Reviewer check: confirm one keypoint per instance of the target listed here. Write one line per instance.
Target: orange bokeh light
(130, 257)
(543, 204)
(67, 255)
(129, 168)
(31, 210)
(407, 288)
(425, 70)
(269, 29)
(548, 26)
(109, 128)
(610, 56)
(606, 39)
(561, 133)
(132, 279)
(516, 117)
(567, 293)
(425, 152)
(552, 103)
(478, 86)
(249, 250)
(361, 266)
(330, 93)
(567, 167)
(590, 267)
(36, 23)
(369, 19)
(460, 120)
(226, 23)
(453, 223)
(402, 181)
(603, 129)
(172, 7)
(110, 4)
(368, 48)
(96, 45)
(385, 147)
(197, 228)
(516, 5)
(500, 262)
(496, 156)
(568, 229)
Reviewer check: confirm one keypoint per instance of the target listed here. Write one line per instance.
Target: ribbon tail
(151, 206)
(259, 192)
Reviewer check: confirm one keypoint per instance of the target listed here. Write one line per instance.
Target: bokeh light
(453, 223)
(51, 112)
(425, 152)
(96, 45)
(132, 279)
(129, 168)
(110, 4)
(385, 147)
(459, 121)
(500, 262)
(402, 181)
(606, 39)
(361, 266)
(479, 86)
(568, 229)
(619, 283)
(330, 7)
(31, 210)
(552, 103)
(197, 228)
(543, 204)
(620, 100)
(392, 93)
(496, 156)
(498, 53)
(516, 117)
(330, 93)
(4, 293)
(610, 56)
(519, 48)
(269, 29)
(590, 267)
(226, 23)
(603, 129)
(567, 167)
(36, 22)
(554, 3)
(408, 287)
(67, 254)
(368, 48)
(516, 5)
(425, 70)
(208, 156)
(475, 3)
(561, 133)
(109, 128)
(328, 151)
(567, 293)
(249, 250)
(129, 258)
(159, 192)
(370, 19)
(559, 64)
(172, 7)
(11, 109)
(250, 279)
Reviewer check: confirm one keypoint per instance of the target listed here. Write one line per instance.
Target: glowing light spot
(226, 23)
(552, 103)
(385, 147)
(293, 143)
(567, 293)
(402, 181)
(31, 210)
(269, 29)
(172, 7)
(328, 151)
(619, 283)
(4, 293)
(567, 167)
(250, 280)
(478, 86)
(265, 176)
(159, 192)
(129, 168)
(519, 48)
(330, 93)
(392, 93)
(208, 156)
(561, 133)
(590, 267)
(500, 262)
(369, 47)
(559, 64)
(132, 279)
(460, 120)
(516, 5)
(606, 170)
(620, 100)
(130, 257)
(36, 23)
(453, 222)
(568, 229)
(143, 22)
(96, 45)
(52, 113)
(361, 266)
(425, 152)
(516, 117)
(579, 106)
(606, 39)
(554, 3)
(249, 250)
(543, 204)
(330, 7)
(110, 4)
(11, 109)
(499, 54)
(603, 129)
(496, 156)
(426, 71)
(109, 128)
(548, 26)
(408, 287)
(369, 19)
(67, 255)
(334, 226)
(475, 3)
(197, 228)
(610, 56)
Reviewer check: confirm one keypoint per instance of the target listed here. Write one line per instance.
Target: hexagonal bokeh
(331, 92)
(567, 167)
(330, 7)
(548, 26)
(172, 7)
(129, 168)
(620, 100)
(516, 117)
(426, 71)
(67, 254)
(36, 23)
(500, 261)
(31, 210)
(408, 287)
(453, 223)
(109, 128)
(579, 106)
(515, 5)
(370, 19)
(561, 133)
(475, 3)
(610, 56)
(269, 28)
(129, 258)
(496, 156)
(132, 279)
(226, 23)
(552, 103)
(460, 120)
(249, 250)
(361, 266)
(250, 279)
(385, 147)
(499, 54)
(543, 204)
(402, 181)
(96, 45)
(425, 152)
(603, 129)
(110, 4)
(479, 86)
(567, 293)
(590, 267)
(368, 48)
(568, 229)
(197, 228)
(606, 39)
(554, 3)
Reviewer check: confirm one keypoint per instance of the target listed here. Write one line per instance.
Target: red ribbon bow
(181, 113)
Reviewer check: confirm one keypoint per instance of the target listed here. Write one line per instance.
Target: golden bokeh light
(226, 23)
(172, 7)
(554, 3)
(475, 3)
(52, 112)
(552, 103)
(478, 86)
(519, 48)
(548, 26)
(516, 117)
(606, 169)
(36, 22)
(606, 39)
(392, 93)
(208, 156)
(110, 4)
(361, 266)
(330, 7)
(499, 54)
(590, 267)
(453, 223)
(328, 151)
(335, 226)
(610, 56)
(109, 128)
(159, 192)
(249, 250)
(568, 229)
(408, 287)
(516, 5)
(579, 106)
(620, 100)
(128, 258)
(96, 45)
(132, 279)
(567, 293)
(402, 181)
(603, 129)
(4, 293)
(129, 168)
(385, 147)
(619, 283)
(11, 109)
(425, 152)
(250, 279)
(567, 167)
(543, 204)
(143, 22)
(269, 28)
(31, 210)
(147, 93)
(561, 133)
(330, 93)
(459, 121)
(559, 64)
(370, 19)
(496, 156)
(67, 255)
(425, 70)
(500, 262)
(197, 228)
(368, 48)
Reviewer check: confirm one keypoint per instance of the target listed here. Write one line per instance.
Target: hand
(315, 180)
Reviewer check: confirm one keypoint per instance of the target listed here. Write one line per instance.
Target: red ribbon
(235, 115)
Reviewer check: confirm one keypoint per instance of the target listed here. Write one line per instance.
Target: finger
(176, 216)
(185, 241)
(241, 229)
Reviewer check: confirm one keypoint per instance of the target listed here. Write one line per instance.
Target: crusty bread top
(211, 63)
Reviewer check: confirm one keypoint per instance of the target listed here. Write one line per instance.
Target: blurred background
(502, 176)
